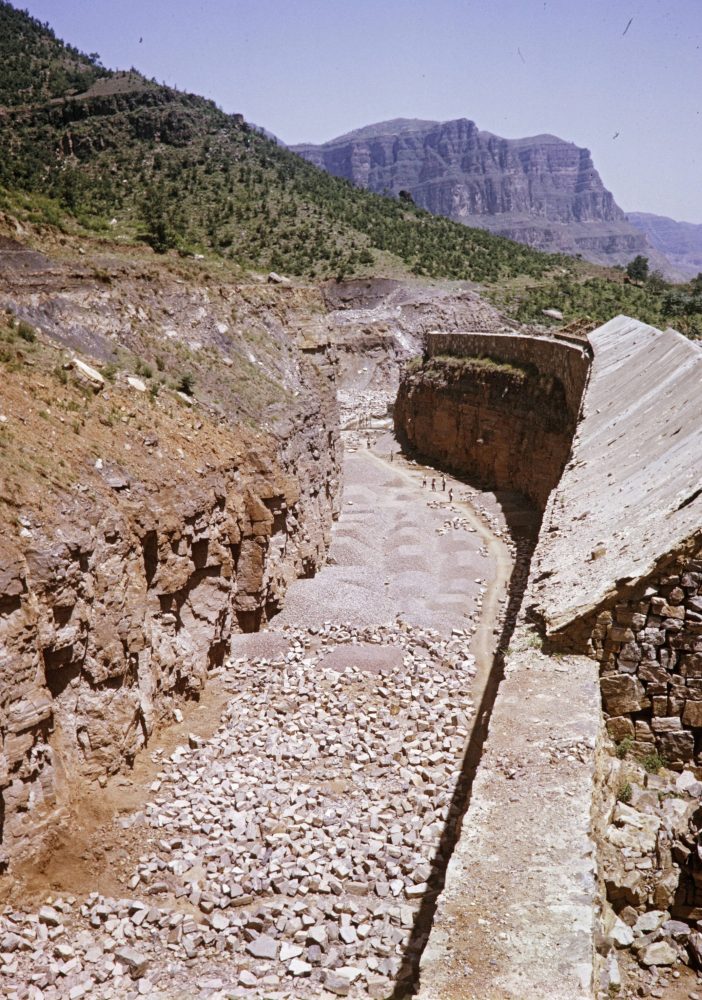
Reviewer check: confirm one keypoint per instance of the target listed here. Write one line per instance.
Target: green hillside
(120, 154)
(91, 150)
(35, 65)
(597, 298)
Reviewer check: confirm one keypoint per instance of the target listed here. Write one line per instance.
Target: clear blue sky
(309, 70)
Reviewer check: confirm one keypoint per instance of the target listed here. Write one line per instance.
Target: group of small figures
(443, 486)
(424, 478)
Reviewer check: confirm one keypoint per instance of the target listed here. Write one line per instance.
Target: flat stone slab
(254, 644)
(373, 659)
(517, 915)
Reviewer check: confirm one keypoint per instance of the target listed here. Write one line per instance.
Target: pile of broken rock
(288, 855)
(652, 865)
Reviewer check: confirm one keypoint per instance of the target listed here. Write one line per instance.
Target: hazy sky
(309, 70)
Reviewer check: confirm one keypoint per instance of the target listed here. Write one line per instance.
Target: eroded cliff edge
(148, 512)
(539, 190)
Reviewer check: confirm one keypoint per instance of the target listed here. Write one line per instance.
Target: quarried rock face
(507, 423)
(142, 526)
(124, 609)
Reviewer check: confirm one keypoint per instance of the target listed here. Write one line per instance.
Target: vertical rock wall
(498, 408)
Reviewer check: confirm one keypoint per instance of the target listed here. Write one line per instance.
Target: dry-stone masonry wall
(650, 651)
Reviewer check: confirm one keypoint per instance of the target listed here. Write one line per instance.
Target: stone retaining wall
(631, 493)
(616, 572)
(649, 646)
(564, 360)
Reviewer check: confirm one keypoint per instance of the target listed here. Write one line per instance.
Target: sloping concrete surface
(632, 491)
(517, 917)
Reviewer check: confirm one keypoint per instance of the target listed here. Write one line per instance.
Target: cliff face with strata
(142, 526)
(506, 420)
(681, 242)
(539, 190)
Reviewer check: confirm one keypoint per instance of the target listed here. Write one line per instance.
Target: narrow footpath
(292, 850)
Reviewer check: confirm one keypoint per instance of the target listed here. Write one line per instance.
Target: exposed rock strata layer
(539, 190)
(151, 526)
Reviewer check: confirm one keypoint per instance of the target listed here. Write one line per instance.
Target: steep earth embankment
(377, 324)
(142, 525)
(540, 190)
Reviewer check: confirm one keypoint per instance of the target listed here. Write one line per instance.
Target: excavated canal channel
(297, 848)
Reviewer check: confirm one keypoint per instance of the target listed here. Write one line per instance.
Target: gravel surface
(287, 855)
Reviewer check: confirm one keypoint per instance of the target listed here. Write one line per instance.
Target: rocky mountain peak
(539, 190)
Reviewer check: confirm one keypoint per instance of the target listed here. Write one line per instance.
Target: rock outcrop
(539, 190)
(141, 529)
(112, 615)
(504, 416)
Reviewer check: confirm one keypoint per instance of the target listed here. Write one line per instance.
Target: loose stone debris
(286, 856)
(650, 859)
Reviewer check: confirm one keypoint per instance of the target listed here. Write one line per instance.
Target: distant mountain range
(113, 152)
(681, 242)
(539, 190)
